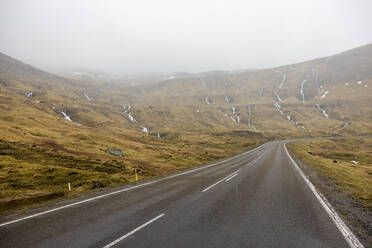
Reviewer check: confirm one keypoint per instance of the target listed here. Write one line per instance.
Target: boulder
(115, 152)
(97, 185)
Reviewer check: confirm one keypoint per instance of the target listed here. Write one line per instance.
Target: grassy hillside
(345, 163)
(342, 170)
(55, 130)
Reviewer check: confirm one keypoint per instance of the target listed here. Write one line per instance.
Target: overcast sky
(168, 35)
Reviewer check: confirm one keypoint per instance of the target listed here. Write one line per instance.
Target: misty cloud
(166, 35)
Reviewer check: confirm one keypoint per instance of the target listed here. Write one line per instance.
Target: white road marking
(128, 189)
(226, 179)
(350, 238)
(231, 177)
(133, 231)
(254, 161)
(220, 181)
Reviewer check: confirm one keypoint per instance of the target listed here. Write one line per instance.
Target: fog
(168, 35)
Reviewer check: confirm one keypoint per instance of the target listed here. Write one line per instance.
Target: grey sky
(169, 35)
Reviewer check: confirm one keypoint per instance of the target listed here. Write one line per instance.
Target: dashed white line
(350, 238)
(228, 179)
(204, 190)
(127, 189)
(254, 161)
(133, 231)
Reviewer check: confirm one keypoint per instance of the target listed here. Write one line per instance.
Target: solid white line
(350, 238)
(220, 181)
(133, 231)
(231, 177)
(128, 189)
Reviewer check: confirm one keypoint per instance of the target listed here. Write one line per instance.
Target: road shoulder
(357, 217)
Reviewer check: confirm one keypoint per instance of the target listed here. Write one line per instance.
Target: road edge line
(130, 188)
(349, 236)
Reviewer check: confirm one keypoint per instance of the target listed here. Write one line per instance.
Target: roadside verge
(347, 233)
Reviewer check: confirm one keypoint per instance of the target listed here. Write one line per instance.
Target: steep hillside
(56, 130)
(320, 97)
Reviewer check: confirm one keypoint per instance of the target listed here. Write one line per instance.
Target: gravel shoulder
(355, 212)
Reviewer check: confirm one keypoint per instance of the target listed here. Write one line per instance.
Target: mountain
(318, 97)
(56, 130)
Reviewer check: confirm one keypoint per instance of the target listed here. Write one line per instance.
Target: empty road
(255, 199)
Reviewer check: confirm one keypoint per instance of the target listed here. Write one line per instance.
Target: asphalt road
(256, 199)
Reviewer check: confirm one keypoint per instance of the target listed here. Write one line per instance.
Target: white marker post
(69, 186)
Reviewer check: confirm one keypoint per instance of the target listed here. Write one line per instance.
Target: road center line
(133, 231)
(254, 161)
(220, 181)
(231, 177)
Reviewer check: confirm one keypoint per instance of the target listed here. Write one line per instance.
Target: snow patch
(207, 100)
(324, 95)
(227, 99)
(288, 117)
(145, 129)
(277, 106)
(346, 84)
(359, 82)
(346, 124)
(127, 108)
(322, 110)
(277, 96)
(283, 81)
(131, 118)
(302, 90)
(249, 115)
(87, 97)
(66, 116)
(30, 94)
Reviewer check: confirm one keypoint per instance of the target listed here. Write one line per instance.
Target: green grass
(332, 160)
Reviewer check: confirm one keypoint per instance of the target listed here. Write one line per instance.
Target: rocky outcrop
(115, 152)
